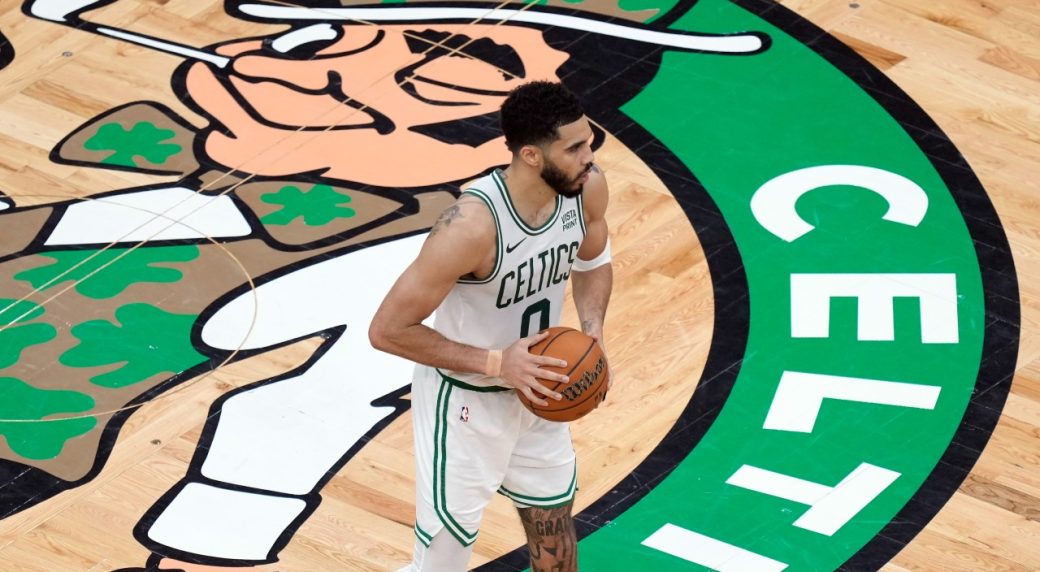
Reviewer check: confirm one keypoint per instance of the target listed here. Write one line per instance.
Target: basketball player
(494, 268)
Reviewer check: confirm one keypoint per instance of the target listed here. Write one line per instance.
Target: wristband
(586, 265)
(493, 365)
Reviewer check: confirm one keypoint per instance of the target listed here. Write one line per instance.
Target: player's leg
(443, 553)
(463, 440)
(551, 538)
(541, 482)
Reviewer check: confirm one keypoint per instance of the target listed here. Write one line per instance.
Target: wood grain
(973, 65)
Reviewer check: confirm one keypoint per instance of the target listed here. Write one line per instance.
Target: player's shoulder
(597, 182)
(467, 219)
(595, 194)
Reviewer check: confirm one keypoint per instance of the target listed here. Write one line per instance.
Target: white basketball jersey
(524, 293)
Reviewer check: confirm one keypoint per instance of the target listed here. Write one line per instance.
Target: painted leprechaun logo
(851, 324)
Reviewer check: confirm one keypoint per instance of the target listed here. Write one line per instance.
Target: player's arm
(461, 239)
(593, 285)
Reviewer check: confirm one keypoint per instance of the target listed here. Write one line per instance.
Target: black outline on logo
(6, 51)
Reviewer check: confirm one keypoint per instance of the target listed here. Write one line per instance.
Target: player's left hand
(597, 334)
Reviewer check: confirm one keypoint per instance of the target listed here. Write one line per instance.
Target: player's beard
(559, 182)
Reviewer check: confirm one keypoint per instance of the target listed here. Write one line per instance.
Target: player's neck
(527, 189)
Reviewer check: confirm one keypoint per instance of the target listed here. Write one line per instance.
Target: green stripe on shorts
(544, 502)
(422, 535)
(440, 463)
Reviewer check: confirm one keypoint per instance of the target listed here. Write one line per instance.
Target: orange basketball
(586, 368)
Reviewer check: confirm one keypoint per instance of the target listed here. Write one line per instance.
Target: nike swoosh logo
(512, 247)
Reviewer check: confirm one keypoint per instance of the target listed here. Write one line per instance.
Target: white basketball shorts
(471, 442)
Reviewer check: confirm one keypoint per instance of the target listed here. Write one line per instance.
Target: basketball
(586, 368)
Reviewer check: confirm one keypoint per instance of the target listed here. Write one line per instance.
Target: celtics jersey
(524, 293)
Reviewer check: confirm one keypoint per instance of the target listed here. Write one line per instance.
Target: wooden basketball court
(198, 216)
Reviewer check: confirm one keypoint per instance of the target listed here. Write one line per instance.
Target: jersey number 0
(541, 308)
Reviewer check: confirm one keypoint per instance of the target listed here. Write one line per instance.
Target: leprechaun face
(402, 105)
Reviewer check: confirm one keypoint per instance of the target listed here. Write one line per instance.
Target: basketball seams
(583, 356)
(588, 396)
(550, 341)
(589, 399)
(560, 335)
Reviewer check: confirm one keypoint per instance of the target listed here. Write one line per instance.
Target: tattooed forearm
(450, 214)
(551, 539)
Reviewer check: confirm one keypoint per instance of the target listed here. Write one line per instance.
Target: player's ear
(531, 155)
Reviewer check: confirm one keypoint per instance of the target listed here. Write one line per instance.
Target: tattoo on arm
(450, 214)
(551, 538)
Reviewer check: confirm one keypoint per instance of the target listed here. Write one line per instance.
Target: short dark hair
(533, 112)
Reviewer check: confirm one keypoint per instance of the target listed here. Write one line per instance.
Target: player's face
(386, 105)
(568, 159)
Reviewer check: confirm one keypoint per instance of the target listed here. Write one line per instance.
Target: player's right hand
(520, 369)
